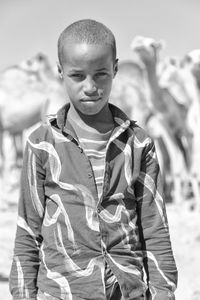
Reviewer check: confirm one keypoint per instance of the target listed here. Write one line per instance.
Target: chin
(92, 111)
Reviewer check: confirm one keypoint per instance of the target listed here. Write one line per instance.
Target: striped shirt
(94, 144)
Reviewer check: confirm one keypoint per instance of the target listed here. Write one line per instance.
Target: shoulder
(43, 130)
(140, 135)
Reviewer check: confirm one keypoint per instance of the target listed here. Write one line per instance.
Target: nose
(89, 86)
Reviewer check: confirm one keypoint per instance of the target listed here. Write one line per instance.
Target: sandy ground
(185, 236)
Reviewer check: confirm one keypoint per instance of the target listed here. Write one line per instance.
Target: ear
(116, 67)
(60, 70)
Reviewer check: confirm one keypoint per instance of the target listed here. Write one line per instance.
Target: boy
(91, 213)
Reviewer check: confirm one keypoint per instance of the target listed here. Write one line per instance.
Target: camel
(192, 61)
(191, 77)
(136, 85)
(130, 92)
(29, 91)
(180, 80)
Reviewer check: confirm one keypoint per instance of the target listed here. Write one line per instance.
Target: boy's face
(88, 71)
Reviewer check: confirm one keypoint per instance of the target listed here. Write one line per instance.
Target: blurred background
(158, 84)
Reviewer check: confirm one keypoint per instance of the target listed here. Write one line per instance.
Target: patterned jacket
(65, 234)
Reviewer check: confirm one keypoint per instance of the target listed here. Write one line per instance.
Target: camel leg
(195, 181)
(1, 149)
(178, 195)
(2, 160)
(18, 144)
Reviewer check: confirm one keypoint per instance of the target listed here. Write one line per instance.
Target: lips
(94, 99)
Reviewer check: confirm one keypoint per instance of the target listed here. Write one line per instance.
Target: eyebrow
(79, 70)
(75, 70)
(101, 69)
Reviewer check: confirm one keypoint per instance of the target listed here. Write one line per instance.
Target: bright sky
(31, 26)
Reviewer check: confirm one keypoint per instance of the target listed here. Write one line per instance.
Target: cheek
(108, 88)
(69, 92)
(71, 88)
(107, 85)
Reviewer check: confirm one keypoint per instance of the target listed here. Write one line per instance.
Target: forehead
(80, 53)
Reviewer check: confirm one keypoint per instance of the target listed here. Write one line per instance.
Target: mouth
(93, 99)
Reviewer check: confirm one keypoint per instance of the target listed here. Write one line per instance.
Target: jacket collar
(122, 122)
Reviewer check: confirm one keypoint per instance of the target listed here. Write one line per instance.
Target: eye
(77, 76)
(101, 74)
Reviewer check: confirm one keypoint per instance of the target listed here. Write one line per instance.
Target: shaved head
(86, 31)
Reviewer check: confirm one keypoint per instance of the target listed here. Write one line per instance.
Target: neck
(101, 122)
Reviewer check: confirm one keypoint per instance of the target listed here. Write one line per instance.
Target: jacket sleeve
(24, 269)
(159, 263)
